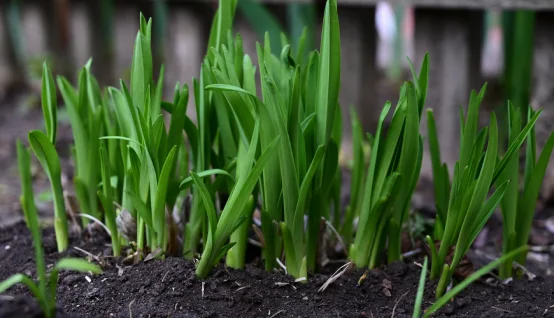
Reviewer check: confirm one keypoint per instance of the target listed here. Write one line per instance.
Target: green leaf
(515, 145)
(141, 70)
(124, 111)
(221, 24)
(420, 290)
(440, 175)
(304, 190)
(27, 281)
(295, 248)
(49, 103)
(80, 134)
(329, 73)
(473, 277)
(78, 265)
(135, 168)
(176, 126)
(307, 123)
(293, 267)
(481, 190)
(235, 204)
(223, 251)
(330, 162)
(192, 137)
(107, 198)
(93, 89)
(367, 204)
(48, 157)
(210, 212)
(487, 210)
(31, 217)
(187, 182)
(530, 151)
(531, 192)
(143, 211)
(421, 81)
(226, 87)
(24, 169)
(289, 175)
(312, 74)
(244, 186)
(157, 99)
(163, 183)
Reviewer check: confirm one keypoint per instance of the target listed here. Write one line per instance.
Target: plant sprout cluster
(261, 160)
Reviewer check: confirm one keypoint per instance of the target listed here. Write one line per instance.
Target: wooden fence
(71, 31)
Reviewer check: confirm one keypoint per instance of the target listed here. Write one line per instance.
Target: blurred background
(507, 43)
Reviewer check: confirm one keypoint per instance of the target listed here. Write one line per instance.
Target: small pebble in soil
(72, 279)
(386, 284)
(158, 289)
(176, 293)
(462, 301)
(534, 309)
(448, 310)
(147, 283)
(255, 272)
(397, 268)
(92, 294)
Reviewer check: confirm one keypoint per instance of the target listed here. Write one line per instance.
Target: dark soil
(169, 288)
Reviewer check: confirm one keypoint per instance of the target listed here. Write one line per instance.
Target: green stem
(204, 268)
(270, 247)
(441, 286)
(140, 235)
(438, 230)
(506, 268)
(377, 247)
(347, 227)
(313, 230)
(60, 218)
(206, 263)
(192, 237)
(435, 264)
(30, 211)
(236, 255)
(395, 249)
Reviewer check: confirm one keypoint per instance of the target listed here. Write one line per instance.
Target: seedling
(463, 211)
(233, 214)
(395, 163)
(519, 203)
(87, 112)
(420, 290)
(45, 290)
(299, 178)
(444, 299)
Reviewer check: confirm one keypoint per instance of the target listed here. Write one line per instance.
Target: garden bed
(169, 288)
(134, 173)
